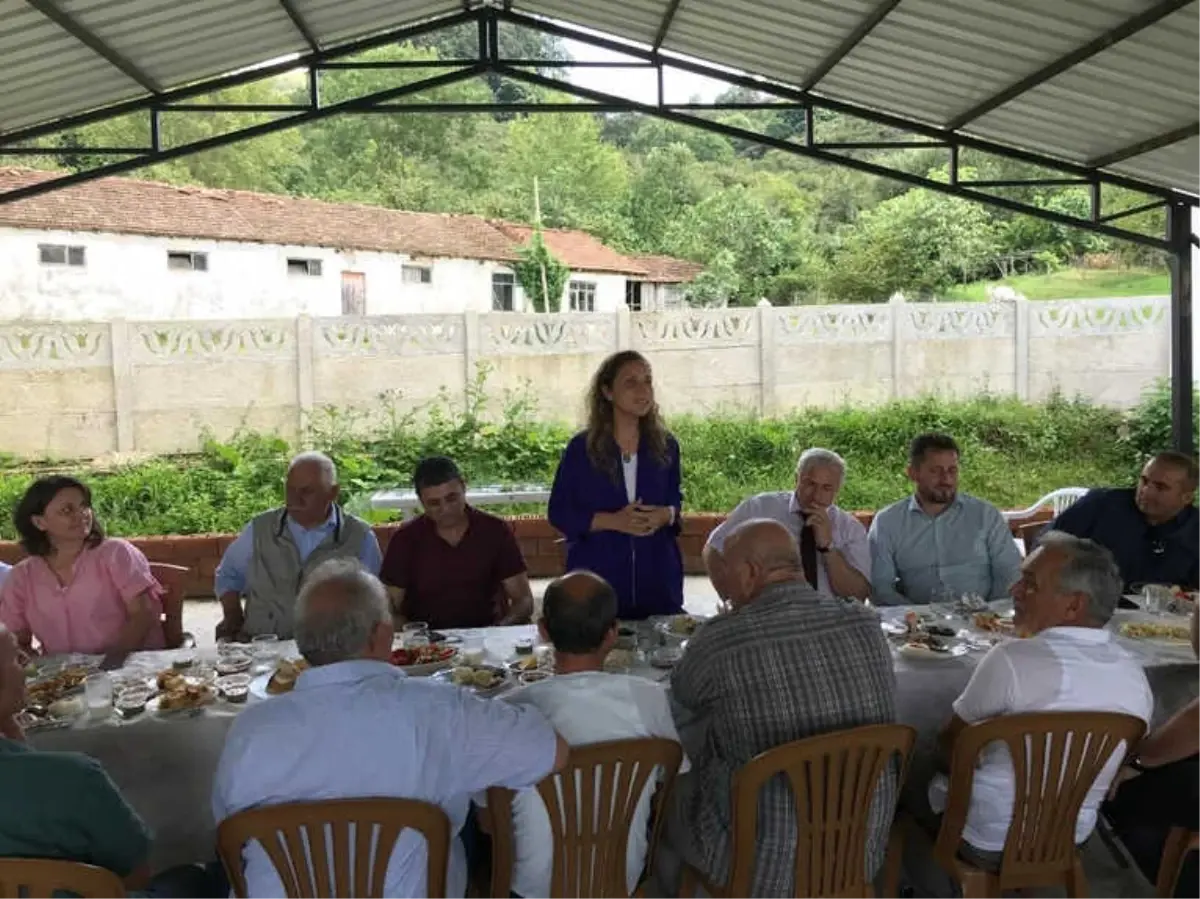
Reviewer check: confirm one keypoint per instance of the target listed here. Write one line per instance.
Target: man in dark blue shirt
(1151, 529)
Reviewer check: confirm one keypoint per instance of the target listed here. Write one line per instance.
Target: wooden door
(354, 293)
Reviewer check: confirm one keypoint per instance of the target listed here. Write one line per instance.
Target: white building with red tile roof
(123, 248)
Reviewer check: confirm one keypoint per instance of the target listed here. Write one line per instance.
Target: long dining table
(165, 765)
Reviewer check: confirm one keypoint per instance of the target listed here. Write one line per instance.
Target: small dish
(666, 656)
(234, 687)
(234, 663)
(532, 677)
(132, 702)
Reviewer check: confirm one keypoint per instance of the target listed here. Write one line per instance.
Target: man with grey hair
(1068, 590)
(274, 553)
(355, 726)
(833, 544)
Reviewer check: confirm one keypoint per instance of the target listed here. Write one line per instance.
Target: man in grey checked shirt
(784, 664)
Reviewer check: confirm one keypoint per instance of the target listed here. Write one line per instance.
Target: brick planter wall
(544, 553)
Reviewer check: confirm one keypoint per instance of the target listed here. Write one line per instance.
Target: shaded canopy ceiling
(1108, 84)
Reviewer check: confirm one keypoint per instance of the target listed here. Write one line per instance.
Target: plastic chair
(833, 778)
(590, 823)
(42, 877)
(1056, 758)
(1180, 841)
(1058, 500)
(284, 830)
(170, 578)
(1031, 532)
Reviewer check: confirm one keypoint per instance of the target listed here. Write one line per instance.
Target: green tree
(584, 183)
(667, 184)
(919, 242)
(542, 275)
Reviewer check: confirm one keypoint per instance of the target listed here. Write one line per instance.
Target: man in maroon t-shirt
(455, 566)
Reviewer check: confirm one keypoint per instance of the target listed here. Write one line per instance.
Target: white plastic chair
(1059, 500)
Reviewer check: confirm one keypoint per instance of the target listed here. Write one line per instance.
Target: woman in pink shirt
(78, 591)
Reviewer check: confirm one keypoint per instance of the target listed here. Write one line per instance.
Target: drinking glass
(473, 651)
(98, 691)
(265, 649)
(415, 633)
(1156, 599)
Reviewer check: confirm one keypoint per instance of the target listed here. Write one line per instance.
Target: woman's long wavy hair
(34, 503)
(601, 447)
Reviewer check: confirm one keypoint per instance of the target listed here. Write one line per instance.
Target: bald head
(342, 613)
(760, 552)
(579, 612)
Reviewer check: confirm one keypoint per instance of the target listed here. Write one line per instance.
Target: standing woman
(78, 591)
(616, 495)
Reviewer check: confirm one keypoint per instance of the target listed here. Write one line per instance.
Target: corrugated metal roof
(926, 60)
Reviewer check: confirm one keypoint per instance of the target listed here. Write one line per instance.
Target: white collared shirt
(849, 536)
(1062, 669)
(361, 729)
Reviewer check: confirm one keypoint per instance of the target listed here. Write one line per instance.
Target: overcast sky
(632, 84)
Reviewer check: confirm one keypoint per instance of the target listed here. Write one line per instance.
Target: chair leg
(1175, 851)
(687, 881)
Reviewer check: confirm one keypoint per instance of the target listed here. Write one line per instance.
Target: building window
(187, 262)
(60, 254)
(672, 296)
(582, 295)
(504, 289)
(416, 274)
(309, 267)
(633, 295)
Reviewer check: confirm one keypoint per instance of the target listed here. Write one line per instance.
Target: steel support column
(1183, 412)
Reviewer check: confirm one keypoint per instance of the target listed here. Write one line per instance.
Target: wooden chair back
(833, 778)
(42, 877)
(1056, 758)
(1031, 532)
(591, 804)
(327, 828)
(170, 578)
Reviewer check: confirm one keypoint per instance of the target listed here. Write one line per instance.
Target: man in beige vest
(273, 554)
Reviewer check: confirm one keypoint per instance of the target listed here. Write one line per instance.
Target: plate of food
(666, 656)
(55, 716)
(619, 660)
(418, 661)
(927, 646)
(532, 677)
(1175, 634)
(483, 679)
(183, 698)
(994, 623)
(682, 626)
(53, 686)
(279, 681)
(523, 664)
(173, 680)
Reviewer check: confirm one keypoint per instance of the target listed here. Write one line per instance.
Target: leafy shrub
(1148, 429)
(1012, 454)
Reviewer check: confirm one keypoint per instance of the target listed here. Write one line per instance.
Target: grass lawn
(1073, 283)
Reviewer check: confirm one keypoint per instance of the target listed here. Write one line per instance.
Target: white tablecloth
(165, 766)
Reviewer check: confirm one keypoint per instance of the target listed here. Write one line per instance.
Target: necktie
(808, 554)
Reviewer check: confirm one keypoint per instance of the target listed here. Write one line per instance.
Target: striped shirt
(792, 664)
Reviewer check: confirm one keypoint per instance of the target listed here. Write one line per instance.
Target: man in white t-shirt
(834, 554)
(585, 705)
(1068, 590)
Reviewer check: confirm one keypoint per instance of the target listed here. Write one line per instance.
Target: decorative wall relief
(1124, 315)
(942, 321)
(828, 324)
(695, 327)
(574, 332)
(67, 345)
(394, 335)
(231, 340)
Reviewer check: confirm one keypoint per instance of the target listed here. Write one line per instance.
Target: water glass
(415, 633)
(265, 649)
(473, 652)
(1156, 599)
(98, 691)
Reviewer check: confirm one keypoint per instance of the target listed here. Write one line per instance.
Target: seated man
(939, 544)
(62, 805)
(1151, 529)
(455, 566)
(786, 663)
(585, 705)
(275, 552)
(356, 726)
(1068, 591)
(833, 543)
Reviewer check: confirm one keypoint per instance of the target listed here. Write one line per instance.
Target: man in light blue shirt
(939, 544)
(354, 727)
(273, 554)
